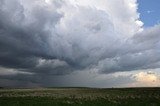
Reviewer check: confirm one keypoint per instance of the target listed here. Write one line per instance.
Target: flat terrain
(80, 97)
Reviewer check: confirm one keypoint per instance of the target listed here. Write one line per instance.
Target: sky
(149, 12)
(79, 43)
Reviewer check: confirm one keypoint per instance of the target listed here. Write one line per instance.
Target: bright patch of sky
(149, 12)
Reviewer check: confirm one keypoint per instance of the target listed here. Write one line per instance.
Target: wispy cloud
(150, 11)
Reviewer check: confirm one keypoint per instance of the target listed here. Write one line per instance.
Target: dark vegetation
(80, 97)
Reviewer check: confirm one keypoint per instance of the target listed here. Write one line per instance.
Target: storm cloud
(41, 40)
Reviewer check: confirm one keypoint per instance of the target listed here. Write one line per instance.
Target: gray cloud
(55, 38)
(23, 37)
(139, 52)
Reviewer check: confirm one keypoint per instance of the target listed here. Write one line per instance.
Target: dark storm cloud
(57, 38)
(27, 36)
(23, 38)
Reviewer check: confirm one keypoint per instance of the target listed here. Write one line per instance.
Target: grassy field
(80, 97)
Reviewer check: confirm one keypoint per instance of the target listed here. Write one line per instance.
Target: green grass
(80, 97)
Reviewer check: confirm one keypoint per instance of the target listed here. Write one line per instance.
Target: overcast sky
(84, 43)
